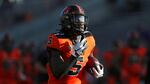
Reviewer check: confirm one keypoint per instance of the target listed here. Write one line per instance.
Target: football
(94, 67)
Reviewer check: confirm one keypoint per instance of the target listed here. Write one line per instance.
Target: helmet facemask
(79, 23)
(75, 24)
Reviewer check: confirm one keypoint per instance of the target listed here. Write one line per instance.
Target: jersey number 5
(76, 67)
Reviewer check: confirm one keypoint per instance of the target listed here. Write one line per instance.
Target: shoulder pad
(89, 34)
(60, 35)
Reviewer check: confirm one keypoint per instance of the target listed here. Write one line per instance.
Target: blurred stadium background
(25, 25)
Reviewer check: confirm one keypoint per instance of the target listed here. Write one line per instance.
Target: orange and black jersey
(60, 54)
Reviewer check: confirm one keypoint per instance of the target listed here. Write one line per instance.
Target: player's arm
(61, 67)
(58, 66)
(94, 67)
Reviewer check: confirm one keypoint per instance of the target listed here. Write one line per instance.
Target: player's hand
(79, 47)
(98, 70)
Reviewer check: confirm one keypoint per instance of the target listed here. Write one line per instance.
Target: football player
(71, 49)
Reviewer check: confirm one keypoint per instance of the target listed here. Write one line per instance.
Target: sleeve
(93, 66)
(53, 42)
(58, 66)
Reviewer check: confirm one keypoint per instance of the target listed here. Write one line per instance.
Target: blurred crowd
(14, 12)
(22, 64)
(128, 61)
(17, 11)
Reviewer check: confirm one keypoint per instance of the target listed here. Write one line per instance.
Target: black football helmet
(73, 20)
